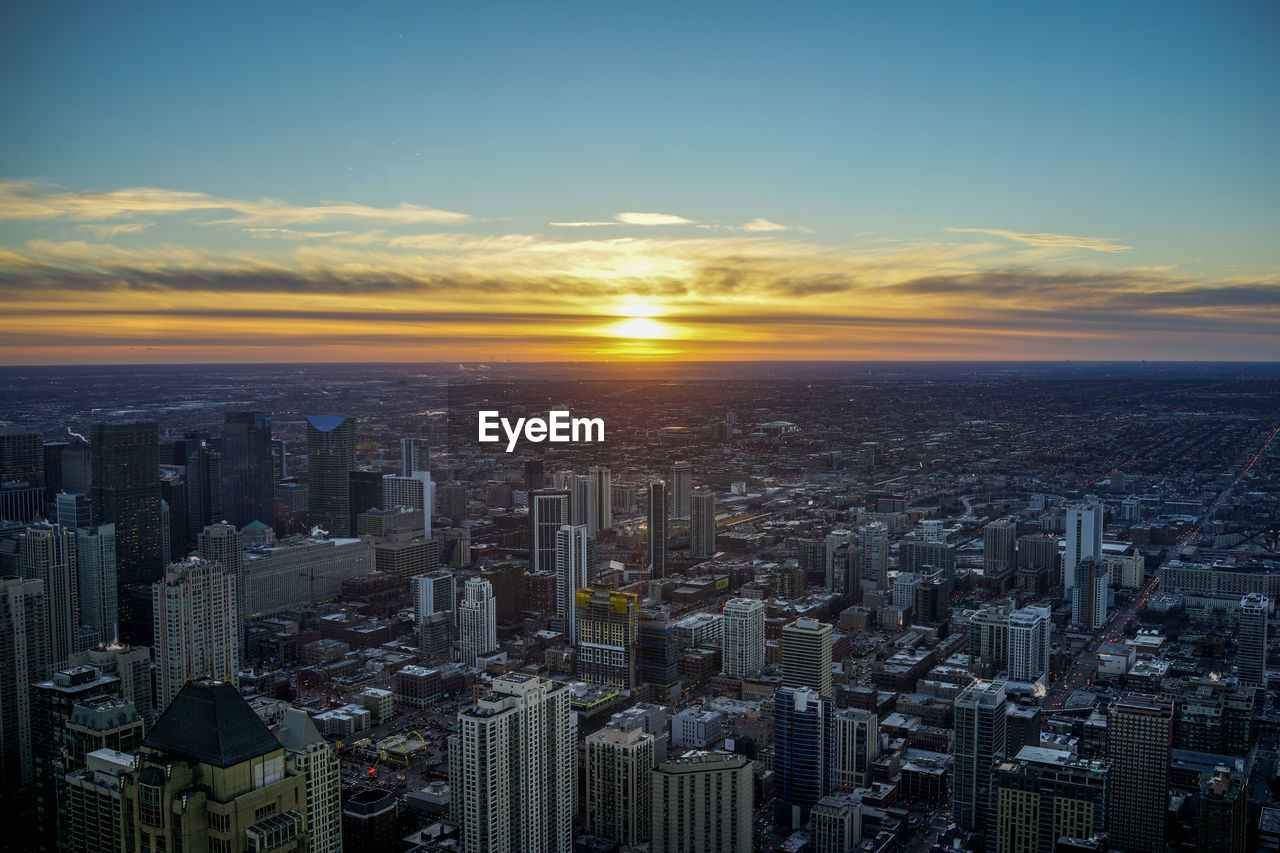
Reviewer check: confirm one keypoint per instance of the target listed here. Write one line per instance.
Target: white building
(1084, 539)
(700, 629)
(743, 652)
(96, 570)
(47, 552)
(572, 543)
(857, 745)
(309, 755)
(196, 626)
(413, 491)
(697, 728)
(477, 621)
(1029, 635)
(873, 549)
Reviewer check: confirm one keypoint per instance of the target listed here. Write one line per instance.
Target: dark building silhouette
(248, 482)
(656, 530)
(369, 821)
(331, 457)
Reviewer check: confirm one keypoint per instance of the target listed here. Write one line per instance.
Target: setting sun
(641, 327)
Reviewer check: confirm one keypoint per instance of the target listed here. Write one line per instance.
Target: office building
(572, 554)
(989, 639)
(126, 493)
(1040, 551)
(656, 530)
(604, 496)
(999, 546)
(434, 603)
(1222, 812)
(47, 553)
(96, 580)
(512, 768)
(331, 457)
(201, 458)
(477, 622)
(364, 494)
(22, 489)
(453, 501)
(1089, 595)
(855, 745)
(1084, 539)
(173, 491)
(873, 553)
(25, 652)
(73, 511)
(299, 571)
(803, 753)
(415, 456)
(370, 820)
(212, 761)
(1251, 655)
(131, 665)
(1042, 795)
(743, 651)
(548, 512)
(618, 764)
(248, 476)
(1139, 738)
(812, 562)
(702, 524)
(837, 823)
(94, 803)
(607, 637)
(681, 485)
(413, 490)
(1029, 631)
(922, 556)
(308, 755)
(806, 655)
(197, 628)
(702, 801)
(980, 728)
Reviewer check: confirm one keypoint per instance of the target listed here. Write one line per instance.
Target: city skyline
(578, 184)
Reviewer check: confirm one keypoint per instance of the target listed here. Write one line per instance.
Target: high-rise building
(434, 602)
(806, 655)
(331, 457)
(1029, 640)
(619, 761)
(477, 621)
(855, 745)
(47, 553)
(1251, 657)
(201, 457)
(607, 637)
(681, 490)
(989, 639)
(980, 728)
(1042, 795)
(248, 476)
(196, 625)
(548, 512)
(702, 801)
(415, 456)
(743, 651)
(916, 555)
(223, 544)
(803, 753)
(873, 552)
(96, 580)
(173, 491)
(1222, 812)
(999, 546)
(25, 652)
(51, 457)
(211, 760)
(453, 501)
(604, 496)
(73, 511)
(412, 490)
(1084, 539)
(94, 803)
(370, 820)
(1040, 550)
(309, 755)
(512, 768)
(22, 490)
(364, 494)
(130, 664)
(656, 530)
(533, 475)
(572, 565)
(1089, 595)
(837, 541)
(702, 523)
(126, 493)
(584, 499)
(837, 823)
(1139, 739)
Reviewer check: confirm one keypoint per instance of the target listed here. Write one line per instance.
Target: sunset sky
(524, 181)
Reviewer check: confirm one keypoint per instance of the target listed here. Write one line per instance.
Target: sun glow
(641, 327)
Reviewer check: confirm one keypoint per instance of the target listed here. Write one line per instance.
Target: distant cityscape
(817, 608)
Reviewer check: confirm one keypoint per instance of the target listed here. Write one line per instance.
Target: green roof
(210, 722)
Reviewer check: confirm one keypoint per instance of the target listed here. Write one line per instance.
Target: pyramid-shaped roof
(210, 722)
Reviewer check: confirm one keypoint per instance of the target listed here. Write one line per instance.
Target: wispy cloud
(115, 229)
(651, 219)
(762, 224)
(580, 224)
(1053, 241)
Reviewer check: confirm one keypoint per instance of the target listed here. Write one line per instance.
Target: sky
(659, 181)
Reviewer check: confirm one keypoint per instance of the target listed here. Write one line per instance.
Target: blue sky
(1149, 125)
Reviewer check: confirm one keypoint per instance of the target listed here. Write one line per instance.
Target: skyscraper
(1139, 738)
(656, 530)
(617, 806)
(1029, 637)
(979, 739)
(999, 546)
(196, 626)
(22, 492)
(48, 554)
(873, 550)
(25, 652)
(702, 524)
(743, 653)
(1089, 595)
(855, 745)
(512, 768)
(702, 801)
(434, 601)
(248, 477)
(681, 490)
(1042, 795)
(548, 512)
(126, 493)
(604, 497)
(309, 755)
(413, 490)
(607, 637)
(415, 455)
(331, 456)
(201, 455)
(803, 753)
(806, 655)
(73, 511)
(1251, 658)
(223, 544)
(1084, 539)
(571, 574)
(96, 579)
(477, 621)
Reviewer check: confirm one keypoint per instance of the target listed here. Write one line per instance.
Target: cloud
(762, 224)
(651, 219)
(291, 234)
(580, 224)
(107, 231)
(1053, 241)
(25, 200)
